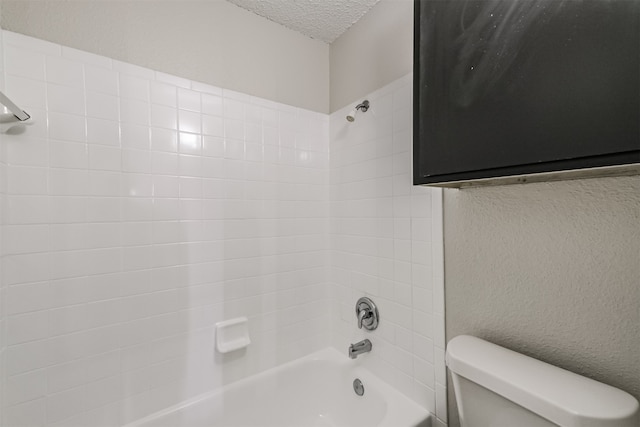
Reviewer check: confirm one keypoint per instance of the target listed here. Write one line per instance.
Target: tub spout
(358, 348)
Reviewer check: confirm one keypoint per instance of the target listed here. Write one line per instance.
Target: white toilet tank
(497, 387)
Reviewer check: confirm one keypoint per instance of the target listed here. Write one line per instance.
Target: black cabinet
(505, 88)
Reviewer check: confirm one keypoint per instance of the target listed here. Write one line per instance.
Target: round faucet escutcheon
(367, 314)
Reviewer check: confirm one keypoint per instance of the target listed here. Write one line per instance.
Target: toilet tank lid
(563, 397)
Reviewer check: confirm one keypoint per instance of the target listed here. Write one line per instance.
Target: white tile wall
(139, 209)
(386, 243)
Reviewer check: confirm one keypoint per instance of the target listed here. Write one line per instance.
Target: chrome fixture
(358, 348)
(16, 113)
(364, 106)
(367, 313)
(358, 387)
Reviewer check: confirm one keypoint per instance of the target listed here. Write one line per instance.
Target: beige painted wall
(210, 41)
(551, 270)
(375, 51)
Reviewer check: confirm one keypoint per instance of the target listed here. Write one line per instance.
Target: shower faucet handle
(367, 313)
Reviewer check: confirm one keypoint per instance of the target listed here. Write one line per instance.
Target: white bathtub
(316, 390)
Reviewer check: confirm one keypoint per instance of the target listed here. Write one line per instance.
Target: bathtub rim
(330, 354)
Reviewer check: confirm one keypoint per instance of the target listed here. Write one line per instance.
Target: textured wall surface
(142, 208)
(386, 243)
(325, 20)
(551, 270)
(374, 52)
(213, 42)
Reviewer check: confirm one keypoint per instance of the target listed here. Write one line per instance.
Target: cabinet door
(507, 87)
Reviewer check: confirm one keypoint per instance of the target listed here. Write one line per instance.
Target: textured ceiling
(324, 20)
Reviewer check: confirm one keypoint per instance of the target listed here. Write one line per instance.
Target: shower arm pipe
(16, 112)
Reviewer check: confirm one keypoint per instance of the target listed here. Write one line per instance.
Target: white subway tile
(102, 106)
(30, 43)
(205, 88)
(25, 268)
(26, 92)
(102, 209)
(26, 327)
(190, 187)
(25, 387)
(190, 143)
(66, 292)
(101, 340)
(66, 210)
(31, 413)
(213, 125)
(26, 180)
(101, 80)
(103, 365)
(136, 258)
(133, 87)
(66, 375)
(66, 320)
(103, 287)
(67, 264)
(164, 163)
(234, 129)
(212, 105)
(103, 391)
(439, 365)
(24, 63)
(422, 299)
(423, 347)
(134, 111)
(104, 132)
(164, 140)
(136, 233)
(28, 297)
(424, 396)
(102, 235)
(26, 357)
(166, 209)
(85, 57)
(172, 80)
(65, 99)
(66, 127)
(137, 209)
(104, 183)
(163, 94)
(189, 121)
(189, 100)
(441, 402)
(136, 185)
(134, 136)
(133, 70)
(238, 96)
(65, 404)
(105, 158)
(164, 117)
(64, 72)
(138, 161)
(66, 237)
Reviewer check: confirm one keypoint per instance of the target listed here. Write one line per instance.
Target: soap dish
(232, 334)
